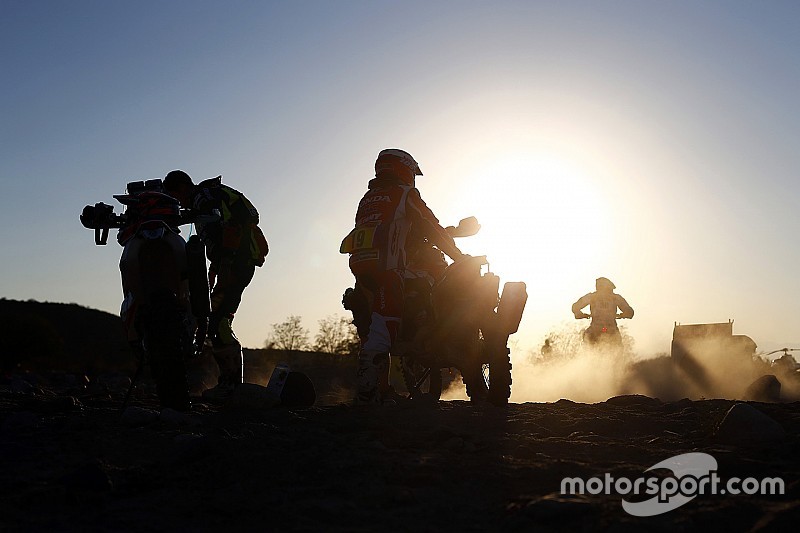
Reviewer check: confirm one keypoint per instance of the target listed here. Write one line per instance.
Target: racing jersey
(603, 308)
(385, 217)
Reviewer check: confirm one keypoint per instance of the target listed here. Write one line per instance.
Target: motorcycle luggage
(512, 304)
(135, 187)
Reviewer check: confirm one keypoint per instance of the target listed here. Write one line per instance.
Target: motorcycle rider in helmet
(603, 305)
(378, 245)
(235, 246)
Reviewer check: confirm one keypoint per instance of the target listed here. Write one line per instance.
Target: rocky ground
(71, 461)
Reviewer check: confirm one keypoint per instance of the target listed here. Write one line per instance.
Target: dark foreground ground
(70, 462)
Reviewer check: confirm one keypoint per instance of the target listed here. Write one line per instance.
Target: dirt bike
(459, 321)
(596, 335)
(165, 284)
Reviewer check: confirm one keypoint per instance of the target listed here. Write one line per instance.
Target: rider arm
(205, 202)
(206, 212)
(627, 310)
(423, 218)
(582, 302)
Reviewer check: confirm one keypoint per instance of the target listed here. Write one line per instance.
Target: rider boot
(229, 358)
(229, 361)
(373, 371)
(383, 367)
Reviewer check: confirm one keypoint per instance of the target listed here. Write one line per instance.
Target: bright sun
(544, 221)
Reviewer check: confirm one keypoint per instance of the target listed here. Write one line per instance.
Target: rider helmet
(396, 163)
(175, 179)
(604, 283)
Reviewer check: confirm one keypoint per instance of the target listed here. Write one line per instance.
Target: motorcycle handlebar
(101, 218)
(587, 315)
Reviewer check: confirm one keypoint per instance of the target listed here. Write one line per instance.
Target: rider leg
(386, 290)
(226, 296)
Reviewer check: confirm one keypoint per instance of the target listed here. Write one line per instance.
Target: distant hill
(45, 336)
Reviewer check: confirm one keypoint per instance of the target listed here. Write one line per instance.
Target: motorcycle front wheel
(421, 382)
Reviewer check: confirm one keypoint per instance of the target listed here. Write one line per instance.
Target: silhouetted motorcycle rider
(603, 305)
(378, 248)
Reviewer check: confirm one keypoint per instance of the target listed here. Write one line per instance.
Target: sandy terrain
(71, 462)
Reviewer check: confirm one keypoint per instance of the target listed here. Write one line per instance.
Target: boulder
(138, 416)
(744, 425)
(633, 400)
(251, 396)
(174, 417)
(765, 389)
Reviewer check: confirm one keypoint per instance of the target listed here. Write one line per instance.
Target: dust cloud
(572, 370)
(576, 371)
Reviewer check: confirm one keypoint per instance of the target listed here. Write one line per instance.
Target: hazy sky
(654, 143)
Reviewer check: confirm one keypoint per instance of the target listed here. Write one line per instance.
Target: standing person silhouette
(235, 246)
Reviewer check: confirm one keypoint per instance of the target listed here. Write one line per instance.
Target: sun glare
(539, 215)
(544, 221)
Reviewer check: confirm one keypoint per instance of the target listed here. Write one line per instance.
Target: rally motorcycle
(165, 283)
(602, 336)
(453, 317)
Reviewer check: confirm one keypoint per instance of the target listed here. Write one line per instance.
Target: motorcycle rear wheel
(490, 381)
(499, 375)
(164, 345)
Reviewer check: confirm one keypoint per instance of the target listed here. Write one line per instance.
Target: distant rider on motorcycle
(603, 305)
(379, 248)
(235, 246)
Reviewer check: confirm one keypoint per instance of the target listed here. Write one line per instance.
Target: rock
(20, 386)
(298, 391)
(19, 420)
(251, 396)
(684, 405)
(177, 418)
(72, 382)
(454, 444)
(90, 477)
(629, 400)
(765, 389)
(745, 425)
(138, 416)
(558, 507)
(59, 404)
(188, 448)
